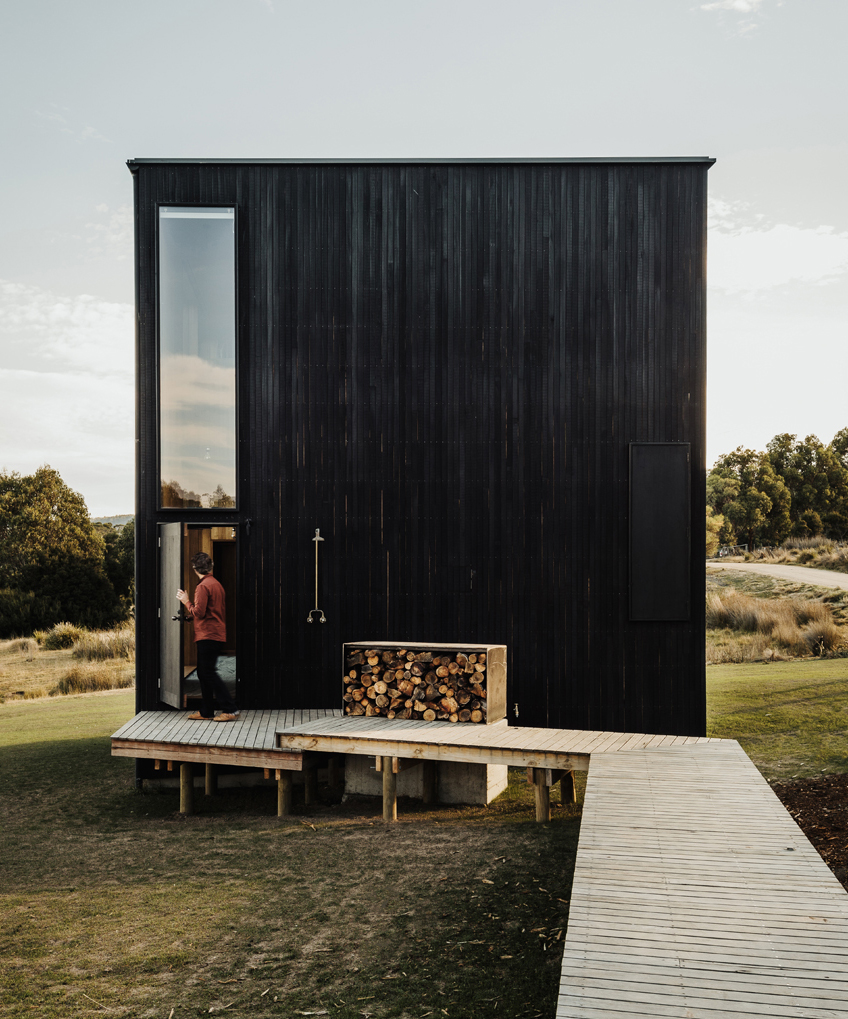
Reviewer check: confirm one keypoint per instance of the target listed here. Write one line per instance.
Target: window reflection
(197, 346)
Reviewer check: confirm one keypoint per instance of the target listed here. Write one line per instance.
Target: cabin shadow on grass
(117, 905)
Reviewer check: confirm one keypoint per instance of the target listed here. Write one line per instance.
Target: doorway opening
(179, 685)
(220, 544)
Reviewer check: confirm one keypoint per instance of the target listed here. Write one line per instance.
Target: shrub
(822, 637)
(61, 636)
(22, 611)
(105, 644)
(89, 679)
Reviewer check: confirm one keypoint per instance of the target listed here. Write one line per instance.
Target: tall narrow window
(197, 357)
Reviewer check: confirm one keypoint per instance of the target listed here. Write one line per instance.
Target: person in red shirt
(208, 613)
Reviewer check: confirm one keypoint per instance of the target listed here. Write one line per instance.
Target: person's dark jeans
(212, 687)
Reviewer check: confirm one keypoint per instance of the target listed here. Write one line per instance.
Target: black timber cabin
(482, 382)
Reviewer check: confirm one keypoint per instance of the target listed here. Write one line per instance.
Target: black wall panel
(442, 367)
(660, 533)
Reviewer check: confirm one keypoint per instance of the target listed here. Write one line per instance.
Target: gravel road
(797, 574)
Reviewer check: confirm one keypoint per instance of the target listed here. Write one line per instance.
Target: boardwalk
(696, 895)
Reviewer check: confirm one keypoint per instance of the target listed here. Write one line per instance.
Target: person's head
(201, 563)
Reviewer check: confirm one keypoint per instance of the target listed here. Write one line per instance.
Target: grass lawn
(114, 904)
(790, 717)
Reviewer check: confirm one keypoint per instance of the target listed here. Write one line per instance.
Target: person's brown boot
(197, 717)
(226, 716)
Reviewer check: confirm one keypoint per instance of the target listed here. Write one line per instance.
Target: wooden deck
(695, 894)
(521, 746)
(248, 742)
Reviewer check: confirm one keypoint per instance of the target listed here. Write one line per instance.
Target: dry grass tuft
(820, 553)
(103, 644)
(823, 637)
(27, 646)
(729, 648)
(89, 679)
(757, 627)
(61, 636)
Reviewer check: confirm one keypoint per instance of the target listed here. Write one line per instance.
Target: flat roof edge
(709, 160)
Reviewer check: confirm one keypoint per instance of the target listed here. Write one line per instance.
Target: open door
(170, 613)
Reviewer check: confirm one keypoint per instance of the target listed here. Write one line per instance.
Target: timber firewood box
(447, 682)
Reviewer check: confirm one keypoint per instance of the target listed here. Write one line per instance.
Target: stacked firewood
(408, 684)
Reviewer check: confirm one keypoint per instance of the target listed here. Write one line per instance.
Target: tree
(49, 547)
(758, 509)
(715, 523)
(721, 490)
(839, 445)
(220, 498)
(119, 559)
(817, 481)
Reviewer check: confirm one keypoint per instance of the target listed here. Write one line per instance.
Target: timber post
(186, 789)
(310, 783)
(389, 790)
(543, 795)
(566, 789)
(211, 784)
(284, 793)
(429, 785)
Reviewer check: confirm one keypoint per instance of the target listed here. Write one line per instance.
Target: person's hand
(182, 596)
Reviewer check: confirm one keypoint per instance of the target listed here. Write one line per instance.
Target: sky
(758, 84)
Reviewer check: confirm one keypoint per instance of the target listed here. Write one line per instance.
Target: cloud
(66, 391)
(747, 11)
(81, 425)
(747, 254)
(55, 115)
(190, 384)
(742, 6)
(111, 235)
(43, 331)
